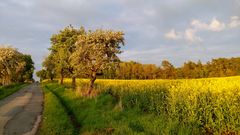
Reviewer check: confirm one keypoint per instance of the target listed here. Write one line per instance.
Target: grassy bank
(8, 90)
(55, 118)
(194, 106)
(101, 115)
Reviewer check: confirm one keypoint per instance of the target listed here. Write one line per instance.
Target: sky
(155, 30)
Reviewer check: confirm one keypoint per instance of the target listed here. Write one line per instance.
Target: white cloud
(198, 24)
(234, 22)
(190, 35)
(172, 34)
(214, 25)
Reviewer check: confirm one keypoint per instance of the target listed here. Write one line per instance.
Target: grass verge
(55, 118)
(8, 90)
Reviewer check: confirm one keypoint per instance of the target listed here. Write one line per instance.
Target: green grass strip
(55, 118)
(8, 90)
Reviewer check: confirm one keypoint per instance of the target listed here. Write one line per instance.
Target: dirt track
(20, 113)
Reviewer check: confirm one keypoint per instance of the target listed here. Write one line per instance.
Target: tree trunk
(73, 82)
(7, 80)
(61, 79)
(91, 84)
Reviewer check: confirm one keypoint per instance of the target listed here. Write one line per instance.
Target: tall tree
(190, 70)
(49, 66)
(42, 74)
(27, 73)
(95, 52)
(168, 70)
(63, 45)
(11, 64)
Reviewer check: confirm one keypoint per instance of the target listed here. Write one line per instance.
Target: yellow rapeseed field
(213, 104)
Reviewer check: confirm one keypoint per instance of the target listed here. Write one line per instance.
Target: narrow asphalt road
(20, 113)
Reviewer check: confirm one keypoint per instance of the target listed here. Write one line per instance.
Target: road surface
(20, 113)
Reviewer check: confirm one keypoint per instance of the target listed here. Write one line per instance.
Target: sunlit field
(191, 106)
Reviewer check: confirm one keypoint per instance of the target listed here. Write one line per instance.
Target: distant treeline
(220, 67)
(15, 66)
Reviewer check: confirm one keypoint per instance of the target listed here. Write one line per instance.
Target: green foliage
(27, 73)
(10, 89)
(42, 74)
(63, 45)
(49, 66)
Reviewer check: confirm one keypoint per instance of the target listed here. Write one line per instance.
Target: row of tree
(91, 54)
(220, 67)
(15, 66)
(82, 53)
